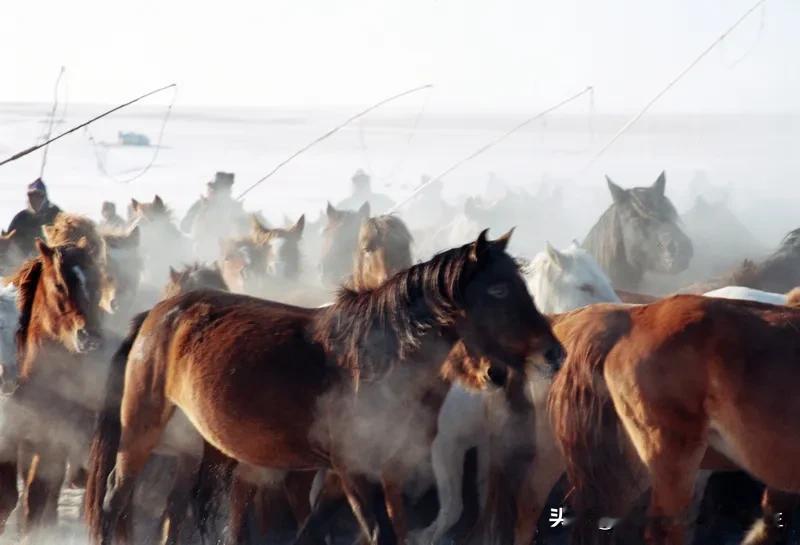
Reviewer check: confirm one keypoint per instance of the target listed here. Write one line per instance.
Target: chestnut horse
(650, 395)
(290, 388)
(52, 406)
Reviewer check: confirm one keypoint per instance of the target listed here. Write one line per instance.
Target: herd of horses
(247, 392)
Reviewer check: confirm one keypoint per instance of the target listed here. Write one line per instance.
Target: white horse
(559, 281)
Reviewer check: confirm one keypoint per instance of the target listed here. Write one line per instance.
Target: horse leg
(776, 518)
(241, 499)
(144, 418)
(392, 482)
(447, 457)
(297, 488)
(673, 463)
(327, 504)
(178, 500)
(43, 485)
(9, 494)
(369, 508)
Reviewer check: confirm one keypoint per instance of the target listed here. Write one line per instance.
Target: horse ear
(503, 240)
(364, 210)
(174, 275)
(331, 212)
(553, 254)
(136, 205)
(258, 228)
(660, 185)
(46, 251)
(297, 228)
(478, 248)
(158, 203)
(618, 194)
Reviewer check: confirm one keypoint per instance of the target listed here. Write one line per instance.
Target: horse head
(384, 249)
(564, 280)
(340, 240)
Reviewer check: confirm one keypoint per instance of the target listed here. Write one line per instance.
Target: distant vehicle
(132, 139)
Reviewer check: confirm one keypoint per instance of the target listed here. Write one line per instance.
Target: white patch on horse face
(81, 280)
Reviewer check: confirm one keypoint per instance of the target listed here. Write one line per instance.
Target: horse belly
(770, 457)
(270, 426)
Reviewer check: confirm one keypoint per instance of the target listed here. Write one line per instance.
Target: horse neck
(606, 244)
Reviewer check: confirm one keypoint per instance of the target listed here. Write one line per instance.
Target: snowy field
(751, 159)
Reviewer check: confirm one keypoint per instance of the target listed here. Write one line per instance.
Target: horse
(313, 372)
(69, 229)
(384, 249)
(124, 266)
(650, 395)
(778, 272)
(267, 263)
(58, 336)
(194, 277)
(558, 281)
(340, 239)
(162, 242)
(639, 233)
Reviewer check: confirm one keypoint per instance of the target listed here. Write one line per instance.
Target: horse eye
(587, 288)
(499, 291)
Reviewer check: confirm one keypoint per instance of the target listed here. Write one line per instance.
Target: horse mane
(584, 419)
(604, 240)
(370, 330)
(69, 228)
(26, 279)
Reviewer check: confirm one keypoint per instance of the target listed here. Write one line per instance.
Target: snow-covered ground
(755, 157)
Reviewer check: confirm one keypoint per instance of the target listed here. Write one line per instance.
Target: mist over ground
(747, 161)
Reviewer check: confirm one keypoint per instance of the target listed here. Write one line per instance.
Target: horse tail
(108, 429)
(213, 481)
(596, 449)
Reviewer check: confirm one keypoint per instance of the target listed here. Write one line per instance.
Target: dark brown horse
(51, 410)
(639, 233)
(284, 387)
(340, 242)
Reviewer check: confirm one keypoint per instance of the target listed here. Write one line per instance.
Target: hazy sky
(482, 55)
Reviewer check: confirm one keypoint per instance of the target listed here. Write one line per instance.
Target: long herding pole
(23, 153)
(488, 146)
(329, 134)
(52, 119)
(672, 83)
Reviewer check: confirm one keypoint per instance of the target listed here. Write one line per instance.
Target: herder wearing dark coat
(29, 222)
